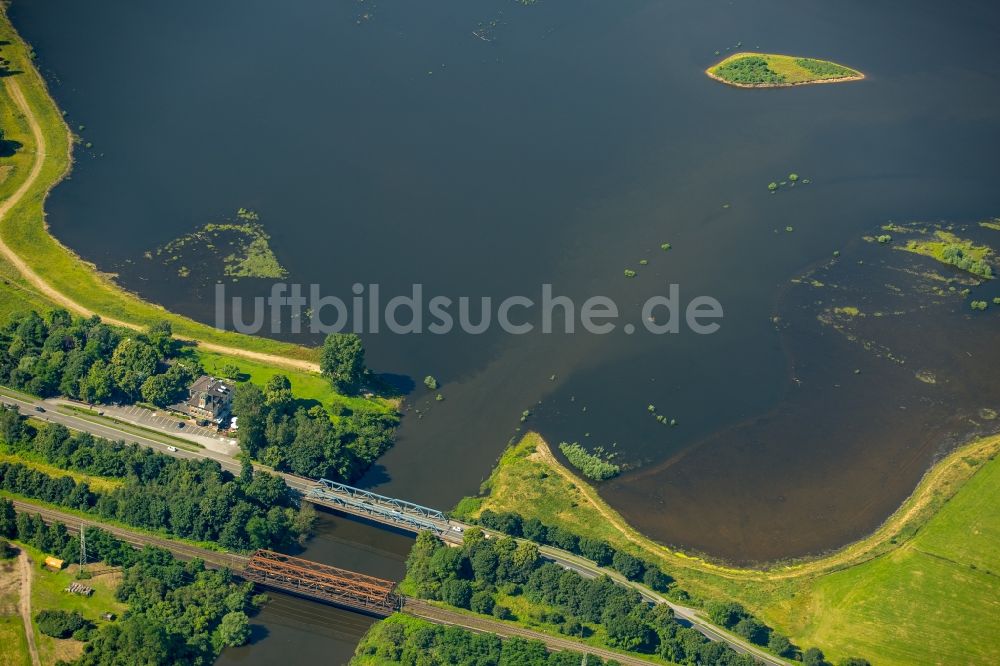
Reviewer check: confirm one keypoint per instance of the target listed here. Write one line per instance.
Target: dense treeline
(598, 552)
(88, 360)
(404, 640)
(190, 498)
(178, 613)
(483, 572)
(730, 615)
(283, 434)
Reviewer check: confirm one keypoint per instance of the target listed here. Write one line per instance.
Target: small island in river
(768, 70)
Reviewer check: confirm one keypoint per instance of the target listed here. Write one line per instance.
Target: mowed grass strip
(97, 483)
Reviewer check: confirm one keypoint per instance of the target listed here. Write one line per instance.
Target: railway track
(183, 551)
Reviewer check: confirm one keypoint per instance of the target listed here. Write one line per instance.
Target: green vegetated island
(769, 70)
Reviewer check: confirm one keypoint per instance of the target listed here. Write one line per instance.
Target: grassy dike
(922, 589)
(24, 231)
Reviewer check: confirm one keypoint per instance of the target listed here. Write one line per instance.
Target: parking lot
(167, 423)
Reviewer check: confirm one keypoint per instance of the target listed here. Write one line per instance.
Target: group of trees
(178, 613)
(598, 552)
(748, 70)
(190, 498)
(401, 640)
(63, 624)
(91, 361)
(955, 254)
(484, 572)
(280, 432)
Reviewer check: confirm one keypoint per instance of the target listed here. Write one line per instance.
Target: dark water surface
(401, 148)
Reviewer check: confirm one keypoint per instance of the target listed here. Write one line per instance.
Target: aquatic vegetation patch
(241, 247)
(594, 465)
(961, 253)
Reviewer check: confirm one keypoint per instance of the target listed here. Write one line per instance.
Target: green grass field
(306, 386)
(48, 593)
(772, 70)
(924, 589)
(934, 600)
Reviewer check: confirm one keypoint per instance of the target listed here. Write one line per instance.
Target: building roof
(211, 386)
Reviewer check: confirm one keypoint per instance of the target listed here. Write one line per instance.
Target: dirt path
(25, 606)
(61, 299)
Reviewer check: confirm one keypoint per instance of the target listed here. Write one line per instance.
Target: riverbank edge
(66, 278)
(857, 76)
(937, 486)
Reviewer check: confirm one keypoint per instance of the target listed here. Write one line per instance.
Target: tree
(250, 405)
(655, 579)
(482, 602)
(8, 518)
(131, 363)
(455, 592)
(854, 661)
(597, 551)
(814, 657)
(231, 371)
(97, 385)
(234, 629)
(628, 566)
(726, 614)
(278, 393)
(343, 360)
(158, 390)
(780, 645)
(160, 335)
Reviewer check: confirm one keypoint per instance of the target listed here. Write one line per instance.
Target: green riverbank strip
(70, 279)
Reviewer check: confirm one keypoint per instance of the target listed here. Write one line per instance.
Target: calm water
(384, 142)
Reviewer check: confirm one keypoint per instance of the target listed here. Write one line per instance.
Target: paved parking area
(166, 422)
(160, 420)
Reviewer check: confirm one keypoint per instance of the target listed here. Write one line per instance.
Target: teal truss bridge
(399, 513)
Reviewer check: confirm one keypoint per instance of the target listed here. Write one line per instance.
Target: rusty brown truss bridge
(321, 581)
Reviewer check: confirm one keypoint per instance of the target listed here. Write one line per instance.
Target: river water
(483, 148)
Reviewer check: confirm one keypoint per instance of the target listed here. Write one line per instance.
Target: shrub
(430, 382)
(779, 645)
(590, 465)
(655, 579)
(599, 552)
(60, 623)
(628, 566)
(482, 602)
(456, 592)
